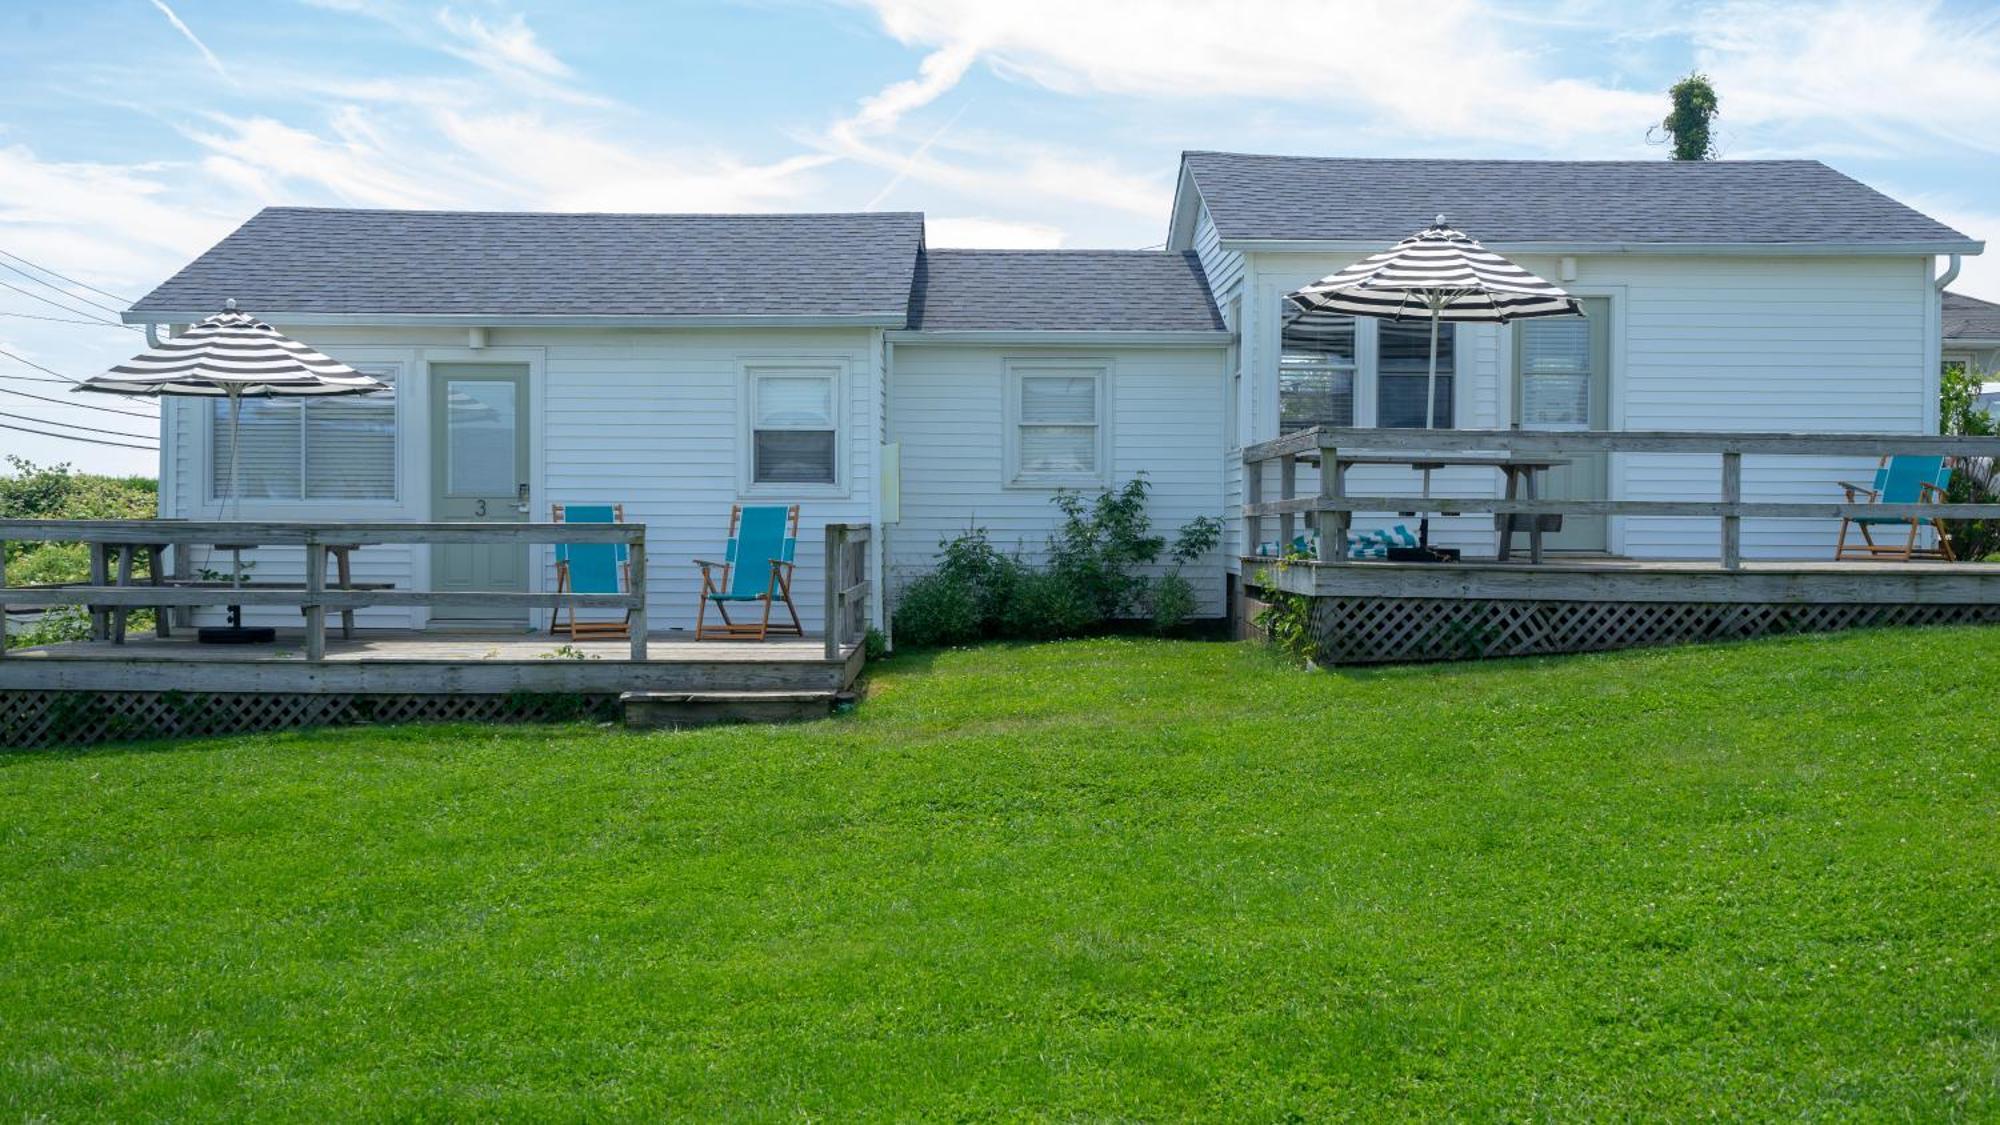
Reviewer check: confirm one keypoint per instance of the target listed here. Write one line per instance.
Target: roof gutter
(1084, 337)
(1950, 274)
(521, 320)
(1710, 249)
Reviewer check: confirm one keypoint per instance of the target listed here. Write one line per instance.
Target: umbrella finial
(229, 305)
(1440, 220)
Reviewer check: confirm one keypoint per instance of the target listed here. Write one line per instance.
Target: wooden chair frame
(779, 589)
(1906, 551)
(589, 630)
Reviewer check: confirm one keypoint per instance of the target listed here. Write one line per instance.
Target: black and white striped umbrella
(1437, 274)
(232, 355)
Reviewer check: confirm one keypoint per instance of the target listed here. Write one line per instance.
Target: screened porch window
(793, 438)
(335, 448)
(1403, 369)
(1316, 370)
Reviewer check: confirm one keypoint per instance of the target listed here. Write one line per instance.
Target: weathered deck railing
(1331, 509)
(847, 586)
(312, 598)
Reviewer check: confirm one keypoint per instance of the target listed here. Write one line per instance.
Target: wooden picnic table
(1520, 472)
(108, 623)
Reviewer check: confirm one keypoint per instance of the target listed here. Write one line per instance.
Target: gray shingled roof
(1062, 291)
(1969, 318)
(325, 261)
(1524, 201)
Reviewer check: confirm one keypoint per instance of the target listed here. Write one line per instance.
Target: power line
(79, 405)
(74, 426)
(60, 305)
(66, 379)
(67, 437)
(60, 289)
(61, 319)
(36, 379)
(71, 280)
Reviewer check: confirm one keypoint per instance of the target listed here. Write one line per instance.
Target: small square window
(1058, 429)
(794, 438)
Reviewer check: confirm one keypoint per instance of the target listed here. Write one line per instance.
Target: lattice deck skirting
(54, 718)
(1373, 630)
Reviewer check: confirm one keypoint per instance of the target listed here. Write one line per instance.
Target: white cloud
(991, 234)
(1446, 69)
(506, 46)
(1892, 76)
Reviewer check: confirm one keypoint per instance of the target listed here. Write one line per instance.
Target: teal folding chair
(1898, 480)
(591, 568)
(757, 567)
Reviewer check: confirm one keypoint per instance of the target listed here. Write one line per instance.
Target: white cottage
(677, 364)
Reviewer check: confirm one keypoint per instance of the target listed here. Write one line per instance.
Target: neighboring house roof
(1061, 291)
(1969, 318)
(1558, 203)
(305, 264)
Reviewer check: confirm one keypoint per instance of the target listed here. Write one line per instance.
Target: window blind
(335, 448)
(1058, 424)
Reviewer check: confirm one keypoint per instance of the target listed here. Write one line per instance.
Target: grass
(1099, 879)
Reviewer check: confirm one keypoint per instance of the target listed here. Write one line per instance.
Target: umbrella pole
(235, 498)
(1430, 418)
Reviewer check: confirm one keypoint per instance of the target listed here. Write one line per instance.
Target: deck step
(704, 708)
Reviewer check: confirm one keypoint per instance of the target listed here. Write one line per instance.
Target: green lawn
(1100, 879)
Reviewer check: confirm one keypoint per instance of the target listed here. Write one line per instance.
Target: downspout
(1950, 273)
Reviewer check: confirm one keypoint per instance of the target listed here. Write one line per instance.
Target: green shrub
(1094, 576)
(33, 491)
(937, 610)
(1047, 605)
(1173, 603)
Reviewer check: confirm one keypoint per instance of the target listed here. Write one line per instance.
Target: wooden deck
(1622, 579)
(97, 691)
(412, 662)
(1377, 612)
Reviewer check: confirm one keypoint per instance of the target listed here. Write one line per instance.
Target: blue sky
(135, 133)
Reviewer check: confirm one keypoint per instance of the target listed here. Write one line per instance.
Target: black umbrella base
(1424, 554)
(236, 635)
(236, 632)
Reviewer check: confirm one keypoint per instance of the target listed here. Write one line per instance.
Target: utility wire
(74, 426)
(63, 307)
(61, 319)
(71, 280)
(36, 379)
(67, 437)
(66, 379)
(60, 289)
(79, 405)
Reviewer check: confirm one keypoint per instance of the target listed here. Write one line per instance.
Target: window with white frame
(1403, 355)
(794, 438)
(1317, 365)
(1057, 417)
(340, 447)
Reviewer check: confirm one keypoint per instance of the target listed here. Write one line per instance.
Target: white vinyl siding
(333, 448)
(948, 410)
(1810, 344)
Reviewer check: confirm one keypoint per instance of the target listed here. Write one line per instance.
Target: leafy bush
(1974, 480)
(937, 610)
(1286, 619)
(1094, 576)
(46, 492)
